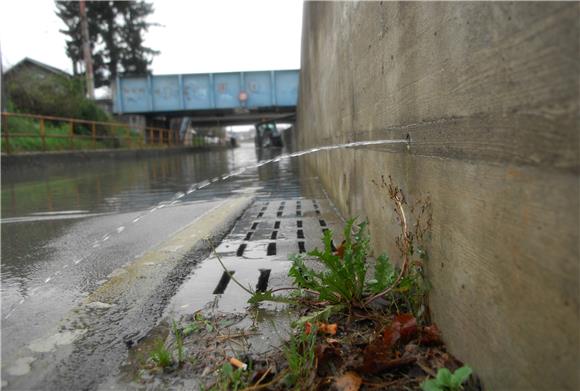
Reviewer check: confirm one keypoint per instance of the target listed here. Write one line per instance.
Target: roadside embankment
(35, 159)
(488, 95)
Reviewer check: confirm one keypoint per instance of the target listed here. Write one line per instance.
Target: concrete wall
(488, 93)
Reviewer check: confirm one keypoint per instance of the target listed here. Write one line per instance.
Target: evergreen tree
(136, 58)
(116, 33)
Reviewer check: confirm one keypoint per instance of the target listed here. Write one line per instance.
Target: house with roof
(35, 87)
(32, 70)
(29, 74)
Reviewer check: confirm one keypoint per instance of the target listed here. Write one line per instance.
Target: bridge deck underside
(230, 117)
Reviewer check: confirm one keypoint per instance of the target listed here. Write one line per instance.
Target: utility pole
(2, 97)
(87, 52)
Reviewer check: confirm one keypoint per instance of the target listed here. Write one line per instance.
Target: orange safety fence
(80, 134)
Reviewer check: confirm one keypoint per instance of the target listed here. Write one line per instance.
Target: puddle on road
(45, 345)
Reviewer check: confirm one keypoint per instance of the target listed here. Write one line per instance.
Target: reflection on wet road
(66, 229)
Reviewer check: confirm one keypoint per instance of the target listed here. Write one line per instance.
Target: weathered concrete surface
(488, 93)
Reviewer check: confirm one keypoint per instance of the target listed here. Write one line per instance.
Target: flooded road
(93, 253)
(56, 224)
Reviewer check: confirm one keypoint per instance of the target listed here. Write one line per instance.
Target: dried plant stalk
(406, 239)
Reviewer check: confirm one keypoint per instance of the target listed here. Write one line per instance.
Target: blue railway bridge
(210, 98)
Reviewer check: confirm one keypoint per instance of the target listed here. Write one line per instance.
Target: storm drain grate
(241, 250)
(262, 285)
(277, 233)
(223, 282)
(271, 249)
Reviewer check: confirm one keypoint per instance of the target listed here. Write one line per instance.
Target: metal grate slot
(271, 249)
(301, 247)
(281, 208)
(299, 223)
(260, 215)
(300, 234)
(277, 225)
(298, 213)
(241, 249)
(262, 285)
(322, 223)
(279, 214)
(248, 236)
(274, 235)
(254, 226)
(264, 208)
(317, 211)
(223, 282)
(283, 203)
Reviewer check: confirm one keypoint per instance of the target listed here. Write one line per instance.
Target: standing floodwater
(56, 224)
(67, 230)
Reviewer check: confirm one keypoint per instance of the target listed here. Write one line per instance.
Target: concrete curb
(186, 241)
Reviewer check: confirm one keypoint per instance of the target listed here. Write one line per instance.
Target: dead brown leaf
(328, 328)
(403, 327)
(430, 335)
(349, 381)
(374, 354)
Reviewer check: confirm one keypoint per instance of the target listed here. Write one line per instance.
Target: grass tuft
(161, 356)
(300, 356)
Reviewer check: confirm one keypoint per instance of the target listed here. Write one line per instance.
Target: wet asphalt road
(52, 218)
(66, 229)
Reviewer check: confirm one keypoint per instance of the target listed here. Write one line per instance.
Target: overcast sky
(197, 36)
